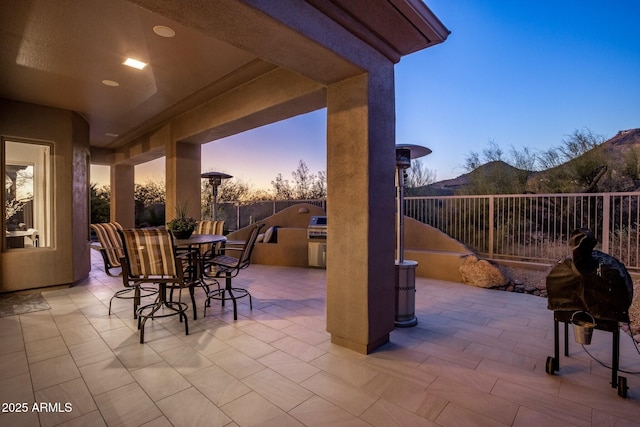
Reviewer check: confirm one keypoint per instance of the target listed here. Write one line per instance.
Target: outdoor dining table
(193, 243)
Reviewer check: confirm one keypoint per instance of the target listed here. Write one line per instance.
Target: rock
(530, 289)
(541, 286)
(481, 273)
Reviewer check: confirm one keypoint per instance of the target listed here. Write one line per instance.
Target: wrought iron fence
(535, 227)
(240, 214)
(530, 227)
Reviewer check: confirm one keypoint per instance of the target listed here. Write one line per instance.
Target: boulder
(481, 273)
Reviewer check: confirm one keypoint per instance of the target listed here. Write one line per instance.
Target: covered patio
(213, 69)
(477, 357)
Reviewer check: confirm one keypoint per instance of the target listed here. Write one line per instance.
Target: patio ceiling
(65, 53)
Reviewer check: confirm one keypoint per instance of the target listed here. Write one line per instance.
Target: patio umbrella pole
(405, 270)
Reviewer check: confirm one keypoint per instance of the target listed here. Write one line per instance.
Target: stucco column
(183, 178)
(122, 195)
(360, 210)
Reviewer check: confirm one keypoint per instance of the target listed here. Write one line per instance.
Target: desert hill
(612, 166)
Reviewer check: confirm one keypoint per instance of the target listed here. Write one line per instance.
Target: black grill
(591, 283)
(602, 288)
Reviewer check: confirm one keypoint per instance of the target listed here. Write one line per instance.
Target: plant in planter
(182, 226)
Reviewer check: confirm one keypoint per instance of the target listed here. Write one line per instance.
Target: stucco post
(183, 178)
(122, 195)
(360, 210)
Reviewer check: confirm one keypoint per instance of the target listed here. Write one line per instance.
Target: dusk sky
(520, 74)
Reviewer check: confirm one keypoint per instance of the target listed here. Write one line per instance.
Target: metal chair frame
(150, 257)
(112, 251)
(229, 267)
(209, 251)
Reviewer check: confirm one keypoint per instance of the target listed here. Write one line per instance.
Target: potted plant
(182, 226)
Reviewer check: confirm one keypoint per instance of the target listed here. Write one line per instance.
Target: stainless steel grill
(317, 236)
(317, 228)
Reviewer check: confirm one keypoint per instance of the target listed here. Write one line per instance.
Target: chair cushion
(110, 240)
(150, 252)
(271, 235)
(226, 261)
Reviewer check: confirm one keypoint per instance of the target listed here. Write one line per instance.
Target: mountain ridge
(614, 173)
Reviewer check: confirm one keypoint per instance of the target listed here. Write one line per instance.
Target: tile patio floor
(476, 358)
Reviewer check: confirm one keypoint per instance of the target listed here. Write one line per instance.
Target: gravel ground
(537, 279)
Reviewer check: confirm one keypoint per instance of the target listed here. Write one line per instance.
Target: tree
(524, 159)
(578, 163)
(231, 190)
(548, 159)
(281, 188)
(472, 161)
(319, 186)
(496, 177)
(305, 185)
(418, 175)
(303, 181)
(149, 199)
(631, 163)
(578, 143)
(495, 174)
(149, 193)
(493, 153)
(100, 203)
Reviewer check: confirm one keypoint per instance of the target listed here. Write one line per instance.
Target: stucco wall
(68, 259)
(291, 246)
(438, 255)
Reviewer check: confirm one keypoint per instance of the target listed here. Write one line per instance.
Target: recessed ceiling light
(113, 135)
(164, 31)
(134, 63)
(110, 83)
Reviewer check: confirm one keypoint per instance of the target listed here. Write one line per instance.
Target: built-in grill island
(317, 241)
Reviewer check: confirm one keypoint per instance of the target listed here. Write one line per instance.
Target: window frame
(43, 189)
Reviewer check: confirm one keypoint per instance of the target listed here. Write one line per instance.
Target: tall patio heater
(215, 179)
(405, 270)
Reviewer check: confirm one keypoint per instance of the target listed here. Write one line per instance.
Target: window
(27, 195)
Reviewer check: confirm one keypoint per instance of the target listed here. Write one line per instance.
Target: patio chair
(228, 266)
(112, 251)
(110, 245)
(34, 237)
(210, 227)
(150, 257)
(208, 251)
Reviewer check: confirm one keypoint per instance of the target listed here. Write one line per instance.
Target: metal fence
(531, 227)
(535, 227)
(240, 214)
